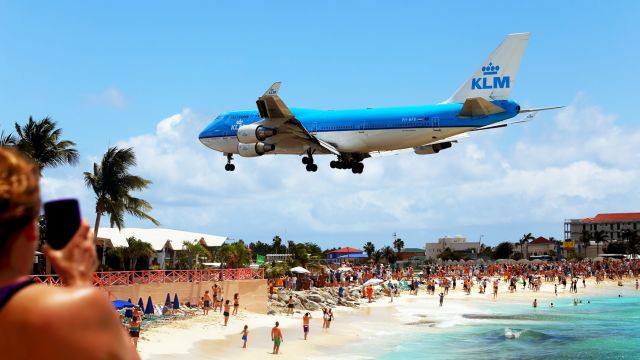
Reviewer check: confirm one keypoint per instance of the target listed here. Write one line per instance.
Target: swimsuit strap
(7, 292)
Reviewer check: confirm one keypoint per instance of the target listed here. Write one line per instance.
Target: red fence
(112, 278)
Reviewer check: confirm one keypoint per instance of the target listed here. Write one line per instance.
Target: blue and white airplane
(481, 103)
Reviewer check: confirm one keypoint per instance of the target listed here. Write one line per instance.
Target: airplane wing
(421, 149)
(276, 115)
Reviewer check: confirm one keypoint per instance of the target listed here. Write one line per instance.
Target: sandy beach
(205, 337)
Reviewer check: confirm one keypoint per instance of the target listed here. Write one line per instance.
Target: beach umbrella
(121, 304)
(167, 301)
(140, 303)
(129, 300)
(149, 309)
(176, 302)
(372, 282)
(300, 270)
(523, 261)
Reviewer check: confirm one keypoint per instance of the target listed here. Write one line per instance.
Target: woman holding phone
(76, 321)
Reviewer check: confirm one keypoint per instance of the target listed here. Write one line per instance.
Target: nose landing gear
(229, 166)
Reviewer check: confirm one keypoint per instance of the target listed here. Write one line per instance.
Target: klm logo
(490, 82)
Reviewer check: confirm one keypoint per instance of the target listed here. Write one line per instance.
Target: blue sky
(153, 74)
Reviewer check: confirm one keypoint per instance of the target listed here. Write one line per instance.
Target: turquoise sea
(598, 328)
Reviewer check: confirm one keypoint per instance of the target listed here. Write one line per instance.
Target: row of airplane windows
(348, 127)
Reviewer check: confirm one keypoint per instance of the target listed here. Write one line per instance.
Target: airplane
(481, 103)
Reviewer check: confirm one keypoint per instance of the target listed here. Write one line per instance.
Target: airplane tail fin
(495, 78)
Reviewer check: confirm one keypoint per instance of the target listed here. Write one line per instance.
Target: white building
(456, 243)
(164, 241)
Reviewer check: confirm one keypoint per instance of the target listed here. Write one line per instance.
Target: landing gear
(354, 164)
(308, 160)
(229, 166)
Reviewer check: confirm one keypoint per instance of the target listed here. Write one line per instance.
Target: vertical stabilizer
(495, 78)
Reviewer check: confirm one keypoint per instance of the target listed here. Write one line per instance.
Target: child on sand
(245, 334)
(290, 305)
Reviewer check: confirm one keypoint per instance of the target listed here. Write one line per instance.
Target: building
(541, 246)
(408, 253)
(612, 224)
(458, 244)
(164, 241)
(346, 253)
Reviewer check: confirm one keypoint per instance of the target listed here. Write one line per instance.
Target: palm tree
(195, 250)
(121, 252)
(598, 237)
(138, 248)
(112, 184)
(377, 255)
(235, 255)
(369, 248)
(277, 242)
(7, 140)
(525, 240)
(40, 140)
(291, 245)
(398, 244)
(585, 239)
(389, 254)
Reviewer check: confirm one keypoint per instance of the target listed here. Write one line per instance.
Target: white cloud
(577, 165)
(111, 97)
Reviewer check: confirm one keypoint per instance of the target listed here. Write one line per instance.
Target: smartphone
(62, 220)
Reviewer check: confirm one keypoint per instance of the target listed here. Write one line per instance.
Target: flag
(259, 259)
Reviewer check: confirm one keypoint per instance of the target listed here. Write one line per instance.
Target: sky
(152, 74)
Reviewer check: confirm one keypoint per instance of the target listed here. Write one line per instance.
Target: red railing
(114, 278)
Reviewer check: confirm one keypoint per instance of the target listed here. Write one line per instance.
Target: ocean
(597, 328)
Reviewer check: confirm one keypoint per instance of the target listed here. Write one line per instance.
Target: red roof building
(613, 217)
(343, 251)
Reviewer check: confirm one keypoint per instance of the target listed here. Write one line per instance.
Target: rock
(271, 312)
(315, 298)
(312, 306)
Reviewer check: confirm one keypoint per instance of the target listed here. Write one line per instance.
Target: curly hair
(19, 193)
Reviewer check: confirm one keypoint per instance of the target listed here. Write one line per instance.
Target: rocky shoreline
(317, 298)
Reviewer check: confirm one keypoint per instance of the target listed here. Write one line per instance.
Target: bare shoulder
(79, 323)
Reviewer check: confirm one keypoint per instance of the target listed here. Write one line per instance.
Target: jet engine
(252, 133)
(431, 149)
(256, 149)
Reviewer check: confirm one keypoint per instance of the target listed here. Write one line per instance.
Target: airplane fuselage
(360, 130)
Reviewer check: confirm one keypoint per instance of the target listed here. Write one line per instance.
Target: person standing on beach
(290, 305)
(636, 284)
(276, 337)
(370, 293)
(207, 302)
(236, 303)
(305, 324)
(226, 312)
(535, 303)
(441, 298)
(245, 335)
(329, 318)
(555, 289)
(495, 289)
(324, 318)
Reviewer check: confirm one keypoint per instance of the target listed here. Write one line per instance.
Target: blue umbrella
(176, 302)
(121, 304)
(140, 303)
(168, 300)
(149, 309)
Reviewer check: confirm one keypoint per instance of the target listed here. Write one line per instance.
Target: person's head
(246, 327)
(227, 302)
(235, 296)
(19, 209)
(206, 292)
(277, 324)
(135, 318)
(307, 314)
